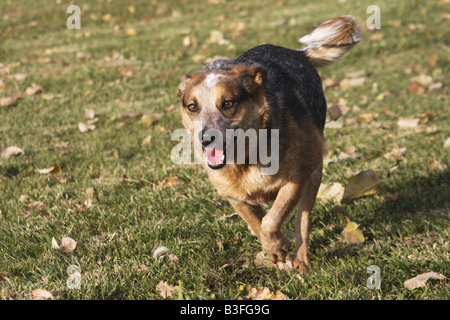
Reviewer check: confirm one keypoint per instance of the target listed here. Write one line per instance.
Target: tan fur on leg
(302, 226)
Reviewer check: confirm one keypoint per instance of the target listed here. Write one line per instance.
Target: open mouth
(215, 157)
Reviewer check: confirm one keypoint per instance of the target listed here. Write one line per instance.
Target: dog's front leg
(251, 214)
(272, 240)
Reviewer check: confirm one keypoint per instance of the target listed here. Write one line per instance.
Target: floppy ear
(255, 77)
(182, 86)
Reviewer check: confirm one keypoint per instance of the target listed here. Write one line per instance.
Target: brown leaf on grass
(393, 196)
(148, 119)
(329, 82)
(415, 87)
(363, 184)
(433, 60)
(351, 234)
(127, 71)
(420, 280)
(352, 82)
(332, 191)
(34, 89)
(9, 101)
(89, 114)
(334, 111)
(147, 141)
(86, 127)
(408, 123)
(11, 152)
(263, 293)
(53, 169)
(41, 294)
(377, 36)
(166, 290)
(67, 244)
(367, 117)
(396, 153)
(130, 115)
(169, 181)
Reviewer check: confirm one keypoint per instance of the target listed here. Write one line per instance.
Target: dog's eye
(228, 104)
(191, 107)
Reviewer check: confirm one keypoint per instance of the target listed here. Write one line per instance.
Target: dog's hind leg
(302, 226)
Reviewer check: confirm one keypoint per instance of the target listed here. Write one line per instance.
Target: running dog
(279, 90)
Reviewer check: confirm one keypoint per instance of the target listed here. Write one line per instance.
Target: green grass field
(116, 194)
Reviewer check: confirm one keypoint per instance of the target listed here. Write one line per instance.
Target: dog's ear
(182, 86)
(255, 77)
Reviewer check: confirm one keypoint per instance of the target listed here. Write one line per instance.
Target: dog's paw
(276, 247)
(302, 265)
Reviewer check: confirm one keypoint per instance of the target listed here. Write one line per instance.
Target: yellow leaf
(149, 119)
(263, 293)
(363, 184)
(131, 32)
(352, 235)
(54, 169)
(41, 294)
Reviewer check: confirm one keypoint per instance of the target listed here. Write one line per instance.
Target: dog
(276, 89)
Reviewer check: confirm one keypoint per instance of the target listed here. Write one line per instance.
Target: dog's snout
(206, 137)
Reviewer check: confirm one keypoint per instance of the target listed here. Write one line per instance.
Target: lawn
(115, 191)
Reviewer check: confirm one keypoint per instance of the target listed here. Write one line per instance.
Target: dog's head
(221, 100)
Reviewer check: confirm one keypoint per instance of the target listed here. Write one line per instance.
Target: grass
(132, 213)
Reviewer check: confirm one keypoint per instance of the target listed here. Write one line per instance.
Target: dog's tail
(331, 40)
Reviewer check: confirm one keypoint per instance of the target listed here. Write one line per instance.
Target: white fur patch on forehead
(212, 79)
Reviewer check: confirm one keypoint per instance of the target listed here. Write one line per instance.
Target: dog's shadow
(423, 201)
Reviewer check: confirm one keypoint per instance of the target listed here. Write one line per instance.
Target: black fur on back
(293, 86)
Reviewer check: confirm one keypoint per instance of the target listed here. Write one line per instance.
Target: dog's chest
(244, 185)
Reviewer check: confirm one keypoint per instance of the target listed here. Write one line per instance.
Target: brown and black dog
(279, 90)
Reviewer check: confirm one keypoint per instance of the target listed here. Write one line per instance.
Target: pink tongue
(214, 156)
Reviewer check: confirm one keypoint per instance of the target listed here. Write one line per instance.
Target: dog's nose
(206, 137)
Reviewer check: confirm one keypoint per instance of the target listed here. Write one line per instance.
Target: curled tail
(331, 40)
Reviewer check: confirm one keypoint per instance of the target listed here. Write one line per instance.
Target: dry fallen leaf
(34, 89)
(415, 87)
(351, 234)
(86, 127)
(166, 289)
(130, 32)
(408, 123)
(447, 143)
(420, 280)
(160, 252)
(89, 114)
(54, 169)
(352, 82)
(363, 184)
(367, 117)
(149, 119)
(396, 153)
(169, 181)
(67, 244)
(331, 191)
(147, 141)
(393, 196)
(11, 152)
(41, 294)
(334, 112)
(8, 101)
(263, 293)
